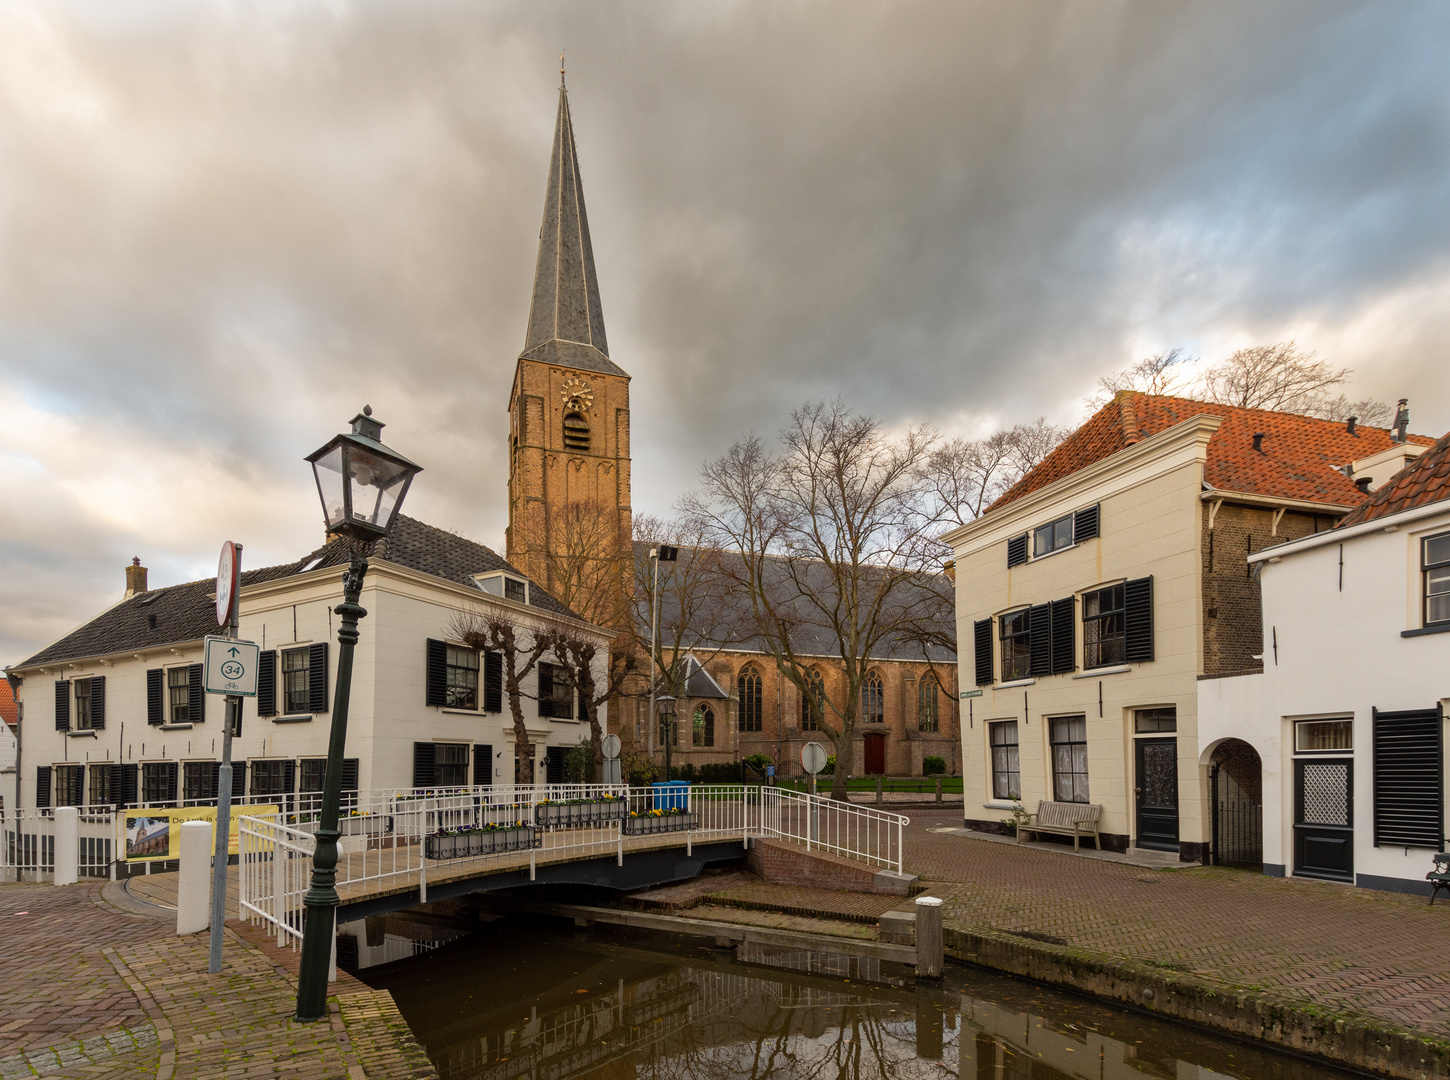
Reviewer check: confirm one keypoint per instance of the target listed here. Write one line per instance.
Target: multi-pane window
(813, 704)
(296, 684)
(1155, 721)
(752, 713)
(514, 589)
(83, 705)
(1006, 768)
(69, 786)
(462, 672)
(310, 774)
(98, 790)
(450, 765)
(178, 688)
(873, 700)
(1104, 627)
(927, 718)
(556, 692)
(1054, 536)
(269, 777)
(1016, 645)
(1311, 736)
(704, 726)
(198, 781)
(1068, 736)
(158, 782)
(1435, 556)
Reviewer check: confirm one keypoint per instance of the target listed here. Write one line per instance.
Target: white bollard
(67, 852)
(193, 884)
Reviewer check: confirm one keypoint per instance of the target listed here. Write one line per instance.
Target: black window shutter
(437, 672)
(1409, 782)
(482, 765)
(171, 768)
(126, 785)
(196, 695)
(239, 779)
(492, 682)
(982, 635)
(241, 708)
(424, 755)
(62, 705)
(554, 765)
(1085, 524)
(98, 702)
(1039, 621)
(289, 777)
(1138, 619)
(1016, 551)
(546, 691)
(78, 786)
(1064, 645)
(42, 787)
(267, 683)
(317, 677)
(349, 774)
(155, 684)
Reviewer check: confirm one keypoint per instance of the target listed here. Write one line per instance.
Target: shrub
(759, 762)
(933, 766)
(579, 763)
(830, 769)
(684, 772)
(719, 772)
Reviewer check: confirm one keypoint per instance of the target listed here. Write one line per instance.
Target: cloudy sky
(224, 226)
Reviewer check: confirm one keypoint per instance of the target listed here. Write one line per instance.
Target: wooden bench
(1073, 819)
(1439, 878)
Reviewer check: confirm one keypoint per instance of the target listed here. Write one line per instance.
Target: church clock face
(577, 394)
(578, 397)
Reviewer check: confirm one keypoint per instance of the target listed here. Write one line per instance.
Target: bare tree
(587, 562)
(964, 476)
(833, 549)
(521, 648)
(577, 654)
(1161, 373)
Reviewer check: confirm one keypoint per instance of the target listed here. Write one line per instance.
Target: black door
(1323, 813)
(1157, 791)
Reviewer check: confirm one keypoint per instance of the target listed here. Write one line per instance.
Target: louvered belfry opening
(576, 430)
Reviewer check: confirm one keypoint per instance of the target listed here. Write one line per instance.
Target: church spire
(566, 320)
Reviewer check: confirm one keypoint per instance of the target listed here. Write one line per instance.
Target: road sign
(610, 745)
(969, 693)
(231, 667)
(226, 584)
(813, 757)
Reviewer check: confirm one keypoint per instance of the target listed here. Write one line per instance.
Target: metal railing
(847, 829)
(27, 843)
(274, 868)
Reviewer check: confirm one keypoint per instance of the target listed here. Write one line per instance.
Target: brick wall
(787, 864)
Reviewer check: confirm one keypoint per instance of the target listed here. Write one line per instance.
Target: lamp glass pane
(328, 470)
(377, 484)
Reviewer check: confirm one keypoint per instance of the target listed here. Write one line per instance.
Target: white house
(1348, 714)
(114, 712)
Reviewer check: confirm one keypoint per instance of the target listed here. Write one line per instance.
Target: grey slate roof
(182, 613)
(566, 319)
(725, 621)
(698, 683)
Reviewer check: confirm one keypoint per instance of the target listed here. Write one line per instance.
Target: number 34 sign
(231, 667)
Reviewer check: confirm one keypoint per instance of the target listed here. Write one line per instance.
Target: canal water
(537, 1000)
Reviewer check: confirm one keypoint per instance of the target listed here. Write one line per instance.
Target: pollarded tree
(827, 539)
(520, 648)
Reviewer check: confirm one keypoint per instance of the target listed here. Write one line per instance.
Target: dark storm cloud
(225, 227)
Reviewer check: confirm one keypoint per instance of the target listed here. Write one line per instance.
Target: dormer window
(506, 585)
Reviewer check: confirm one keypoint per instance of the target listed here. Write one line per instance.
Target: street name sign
(231, 667)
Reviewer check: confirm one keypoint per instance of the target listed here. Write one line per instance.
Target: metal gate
(1238, 824)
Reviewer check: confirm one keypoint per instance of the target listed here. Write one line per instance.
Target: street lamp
(362, 484)
(657, 554)
(666, 704)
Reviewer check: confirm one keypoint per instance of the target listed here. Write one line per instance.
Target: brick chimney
(135, 578)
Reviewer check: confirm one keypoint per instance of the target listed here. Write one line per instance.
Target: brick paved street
(90, 990)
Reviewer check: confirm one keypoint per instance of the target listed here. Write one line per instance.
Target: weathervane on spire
(561, 67)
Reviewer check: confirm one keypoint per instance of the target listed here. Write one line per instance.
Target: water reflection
(519, 1000)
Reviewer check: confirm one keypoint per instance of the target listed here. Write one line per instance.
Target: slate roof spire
(566, 320)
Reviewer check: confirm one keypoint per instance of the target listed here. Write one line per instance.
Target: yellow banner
(154, 835)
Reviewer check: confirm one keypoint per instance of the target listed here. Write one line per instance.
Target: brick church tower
(569, 498)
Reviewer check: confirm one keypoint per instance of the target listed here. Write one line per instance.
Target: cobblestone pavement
(1344, 948)
(91, 991)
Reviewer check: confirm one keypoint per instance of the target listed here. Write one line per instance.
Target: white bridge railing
(393, 839)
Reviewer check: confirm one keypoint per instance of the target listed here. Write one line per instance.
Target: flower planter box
(648, 825)
(363, 825)
(482, 842)
(573, 814)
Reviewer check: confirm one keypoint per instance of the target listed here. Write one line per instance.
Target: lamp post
(667, 727)
(657, 554)
(362, 484)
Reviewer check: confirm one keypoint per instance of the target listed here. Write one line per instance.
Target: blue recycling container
(671, 795)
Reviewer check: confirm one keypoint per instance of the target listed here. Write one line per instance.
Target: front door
(1323, 813)
(1157, 792)
(876, 754)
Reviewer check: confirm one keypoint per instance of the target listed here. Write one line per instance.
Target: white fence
(28, 844)
(393, 839)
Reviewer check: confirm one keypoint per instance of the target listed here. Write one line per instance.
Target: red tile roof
(1424, 480)
(8, 711)
(1300, 457)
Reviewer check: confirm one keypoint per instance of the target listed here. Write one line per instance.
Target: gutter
(1388, 523)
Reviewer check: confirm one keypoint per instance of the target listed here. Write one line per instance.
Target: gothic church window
(751, 712)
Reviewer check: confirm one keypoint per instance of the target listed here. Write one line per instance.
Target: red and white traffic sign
(226, 584)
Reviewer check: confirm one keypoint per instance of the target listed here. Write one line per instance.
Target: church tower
(569, 498)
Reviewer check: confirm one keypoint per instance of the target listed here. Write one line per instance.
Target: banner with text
(154, 834)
